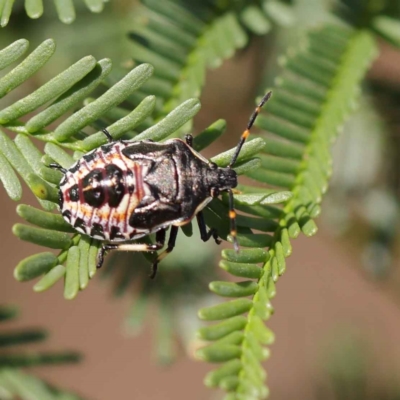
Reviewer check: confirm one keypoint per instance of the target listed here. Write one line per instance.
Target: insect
(125, 190)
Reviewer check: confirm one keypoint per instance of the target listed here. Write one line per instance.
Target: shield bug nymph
(125, 190)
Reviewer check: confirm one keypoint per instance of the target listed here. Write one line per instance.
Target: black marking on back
(116, 188)
(74, 193)
(107, 148)
(75, 167)
(67, 214)
(60, 199)
(155, 215)
(63, 181)
(93, 192)
(115, 233)
(97, 230)
(89, 157)
(143, 148)
(80, 223)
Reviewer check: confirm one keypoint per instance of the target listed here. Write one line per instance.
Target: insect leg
(108, 135)
(58, 167)
(160, 240)
(189, 140)
(170, 246)
(205, 236)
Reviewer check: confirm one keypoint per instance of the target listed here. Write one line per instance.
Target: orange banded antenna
(246, 132)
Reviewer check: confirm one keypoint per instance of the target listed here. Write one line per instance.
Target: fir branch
(15, 384)
(183, 39)
(314, 95)
(34, 9)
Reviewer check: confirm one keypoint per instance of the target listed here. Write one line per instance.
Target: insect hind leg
(160, 240)
(170, 246)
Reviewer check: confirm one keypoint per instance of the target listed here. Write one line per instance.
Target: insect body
(125, 190)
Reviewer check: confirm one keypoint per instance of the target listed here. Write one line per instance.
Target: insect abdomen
(100, 192)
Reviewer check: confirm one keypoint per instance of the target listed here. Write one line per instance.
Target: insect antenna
(232, 219)
(245, 135)
(246, 132)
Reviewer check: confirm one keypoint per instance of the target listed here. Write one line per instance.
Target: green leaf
(65, 10)
(225, 310)
(42, 237)
(95, 5)
(209, 135)
(246, 255)
(34, 8)
(114, 96)
(84, 247)
(33, 358)
(34, 266)
(49, 90)
(9, 179)
(26, 68)
(388, 27)
(41, 188)
(218, 354)
(49, 279)
(172, 122)
(231, 289)
(71, 98)
(242, 270)
(270, 198)
(182, 41)
(16, 159)
(44, 219)
(59, 155)
(26, 336)
(5, 16)
(255, 20)
(281, 13)
(129, 122)
(7, 312)
(71, 287)
(250, 148)
(13, 52)
(229, 369)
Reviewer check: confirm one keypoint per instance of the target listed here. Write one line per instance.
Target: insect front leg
(110, 139)
(57, 167)
(171, 244)
(205, 236)
(160, 240)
